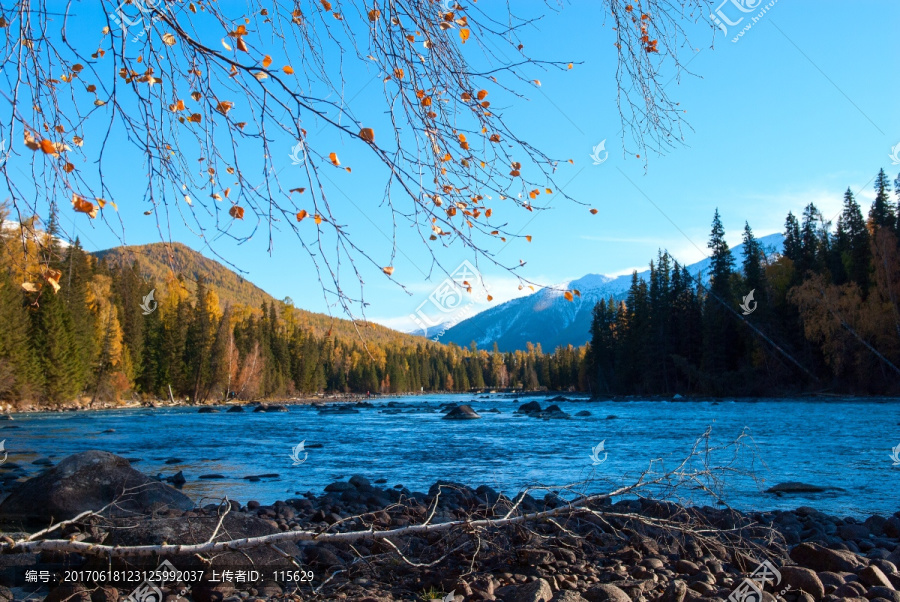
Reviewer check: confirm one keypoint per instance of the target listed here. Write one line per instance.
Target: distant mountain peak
(545, 317)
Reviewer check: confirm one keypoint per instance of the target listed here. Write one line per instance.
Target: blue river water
(844, 444)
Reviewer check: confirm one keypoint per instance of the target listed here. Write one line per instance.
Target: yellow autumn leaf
(464, 34)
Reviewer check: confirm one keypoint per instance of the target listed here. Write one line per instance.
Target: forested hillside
(825, 314)
(77, 327)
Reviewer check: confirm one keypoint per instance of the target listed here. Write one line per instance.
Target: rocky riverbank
(597, 550)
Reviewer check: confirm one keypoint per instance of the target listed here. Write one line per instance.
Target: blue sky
(800, 108)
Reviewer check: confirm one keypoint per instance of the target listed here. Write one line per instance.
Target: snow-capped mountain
(545, 317)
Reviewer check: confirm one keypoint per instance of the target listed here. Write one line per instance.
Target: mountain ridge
(546, 318)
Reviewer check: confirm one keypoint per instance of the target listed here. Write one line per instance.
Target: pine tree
(19, 377)
(854, 244)
(791, 237)
(882, 214)
(719, 334)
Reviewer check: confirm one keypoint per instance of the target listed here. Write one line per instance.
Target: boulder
(236, 409)
(874, 577)
(207, 410)
(265, 407)
(797, 487)
(606, 593)
(799, 578)
(536, 591)
(89, 481)
(529, 408)
(815, 557)
(583, 413)
(463, 412)
(199, 529)
(567, 595)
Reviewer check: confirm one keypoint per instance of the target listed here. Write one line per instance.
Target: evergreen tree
(882, 214)
(853, 243)
(719, 335)
(792, 238)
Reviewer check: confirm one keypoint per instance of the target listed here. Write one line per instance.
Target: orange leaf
(301, 215)
(367, 134)
(488, 212)
(388, 270)
(267, 60)
(288, 69)
(464, 34)
(528, 237)
(490, 298)
(398, 73)
(374, 14)
(334, 159)
(195, 118)
(593, 211)
(241, 45)
(317, 218)
(48, 147)
(326, 4)
(481, 94)
(68, 168)
(300, 190)
(495, 138)
(236, 212)
(224, 106)
(82, 205)
(568, 296)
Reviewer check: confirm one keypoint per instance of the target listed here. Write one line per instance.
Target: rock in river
(89, 481)
(529, 408)
(463, 412)
(797, 487)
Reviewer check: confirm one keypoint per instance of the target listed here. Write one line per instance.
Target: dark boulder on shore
(463, 412)
(86, 481)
